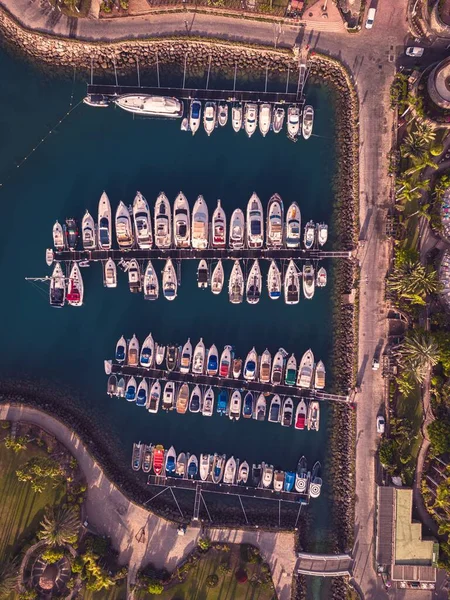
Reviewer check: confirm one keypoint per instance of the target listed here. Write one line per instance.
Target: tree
(8, 576)
(422, 162)
(212, 580)
(52, 555)
(413, 281)
(155, 587)
(439, 434)
(413, 146)
(418, 353)
(16, 444)
(386, 453)
(60, 526)
(441, 187)
(39, 471)
(407, 191)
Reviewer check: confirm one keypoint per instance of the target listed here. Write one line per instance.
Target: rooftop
(410, 548)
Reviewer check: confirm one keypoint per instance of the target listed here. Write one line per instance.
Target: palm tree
(8, 577)
(412, 280)
(413, 146)
(422, 162)
(441, 187)
(422, 211)
(425, 133)
(60, 526)
(418, 353)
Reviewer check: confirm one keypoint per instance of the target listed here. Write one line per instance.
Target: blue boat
(247, 410)
(142, 393)
(171, 461)
(192, 466)
(222, 402)
(121, 350)
(213, 361)
(289, 480)
(130, 393)
(194, 403)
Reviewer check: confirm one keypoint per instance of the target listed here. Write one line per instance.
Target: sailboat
(200, 224)
(59, 240)
(236, 117)
(315, 485)
(250, 118)
(110, 274)
(121, 350)
(321, 277)
(155, 397)
(237, 229)
(313, 418)
(134, 276)
(205, 466)
(195, 111)
(310, 235)
(235, 406)
(305, 372)
(163, 225)
(308, 121)
(130, 390)
(142, 393)
(277, 368)
(275, 410)
(104, 224)
(57, 287)
(254, 284)
(124, 228)
(182, 399)
(291, 371)
(198, 361)
(186, 357)
(208, 403)
(236, 284)
(275, 222)
(169, 281)
(75, 287)
(308, 281)
(322, 233)
(288, 413)
(223, 114)
(151, 283)
(264, 367)
(251, 365)
(133, 352)
(217, 278)
(319, 376)
(88, 232)
(274, 281)
(229, 473)
(291, 284)
(259, 412)
(293, 226)
(219, 227)
(293, 121)
(142, 222)
(181, 222)
(147, 357)
(265, 118)
(210, 117)
(255, 222)
(278, 119)
(225, 362)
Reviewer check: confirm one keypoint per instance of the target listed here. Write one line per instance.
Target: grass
(410, 407)
(118, 592)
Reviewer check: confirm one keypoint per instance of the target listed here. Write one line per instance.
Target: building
(439, 84)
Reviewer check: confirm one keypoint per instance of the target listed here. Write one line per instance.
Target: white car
(380, 424)
(370, 18)
(375, 364)
(414, 51)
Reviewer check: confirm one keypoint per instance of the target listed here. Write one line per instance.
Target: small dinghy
(265, 118)
(219, 227)
(186, 357)
(124, 228)
(222, 402)
(235, 406)
(198, 361)
(259, 412)
(195, 112)
(274, 281)
(104, 223)
(319, 376)
(147, 352)
(255, 222)
(88, 232)
(151, 283)
(163, 225)
(251, 365)
(181, 468)
(75, 287)
(293, 226)
(236, 117)
(313, 418)
(205, 466)
(202, 274)
(195, 400)
(49, 257)
(59, 240)
(130, 391)
(121, 350)
(142, 393)
(217, 278)
(57, 292)
(237, 230)
(155, 397)
(243, 473)
(309, 235)
(308, 121)
(169, 281)
(305, 372)
(291, 371)
(142, 222)
(247, 406)
(182, 399)
(321, 277)
(169, 396)
(181, 222)
(200, 224)
(223, 114)
(309, 281)
(236, 284)
(250, 118)
(300, 415)
(275, 410)
(192, 468)
(293, 121)
(322, 233)
(277, 368)
(275, 222)
(264, 366)
(267, 476)
(111, 389)
(212, 364)
(210, 117)
(133, 352)
(254, 284)
(229, 473)
(218, 467)
(147, 459)
(288, 413)
(208, 403)
(278, 119)
(292, 284)
(225, 362)
(110, 274)
(134, 276)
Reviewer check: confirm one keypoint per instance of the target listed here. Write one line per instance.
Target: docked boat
(291, 371)
(267, 476)
(160, 353)
(208, 403)
(181, 468)
(278, 119)
(292, 284)
(322, 233)
(237, 229)
(319, 376)
(147, 105)
(308, 121)
(275, 410)
(308, 281)
(121, 388)
(202, 274)
(256, 474)
(264, 366)
(274, 281)
(198, 361)
(195, 115)
(163, 225)
(222, 116)
(88, 232)
(289, 481)
(210, 117)
(186, 357)
(195, 400)
(111, 388)
(259, 412)
(142, 393)
(313, 418)
(293, 121)
(181, 222)
(219, 227)
(309, 235)
(250, 118)
(300, 415)
(110, 274)
(171, 357)
(104, 223)
(158, 459)
(155, 397)
(265, 118)
(287, 414)
(130, 390)
(71, 231)
(254, 284)
(57, 293)
(147, 357)
(236, 117)
(235, 406)
(182, 399)
(136, 459)
(293, 226)
(75, 287)
(243, 473)
(147, 459)
(278, 481)
(142, 222)
(200, 224)
(225, 362)
(151, 283)
(255, 222)
(275, 222)
(305, 372)
(222, 402)
(315, 484)
(229, 474)
(321, 277)
(133, 352)
(218, 467)
(121, 350)
(217, 278)
(236, 284)
(169, 281)
(277, 368)
(205, 466)
(59, 240)
(251, 365)
(247, 406)
(237, 368)
(124, 227)
(168, 396)
(212, 364)
(134, 276)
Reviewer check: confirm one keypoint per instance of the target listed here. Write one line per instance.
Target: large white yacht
(293, 226)
(236, 284)
(169, 281)
(181, 222)
(255, 222)
(151, 106)
(104, 229)
(88, 232)
(124, 228)
(142, 222)
(200, 224)
(219, 227)
(275, 222)
(163, 228)
(237, 229)
(250, 118)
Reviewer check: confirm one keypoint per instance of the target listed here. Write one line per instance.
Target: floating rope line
(73, 87)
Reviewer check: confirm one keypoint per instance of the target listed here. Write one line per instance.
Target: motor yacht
(202, 274)
(121, 350)
(321, 278)
(133, 352)
(71, 231)
(237, 368)
(147, 460)
(200, 224)
(313, 418)
(308, 281)
(222, 402)
(310, 235)
(172, 357)
(212, 363)
(130, 391)
(251, 365)
(315, 484)
(57, 292)
(218, 467)
(256, 475)
(136, 460)
(142, 393)
(217, 278)
(155, 397)
(243, 473)
(292, 284)
(168, 396)
(250, 118)
(110, 274)
(134, 276)
(59, 239)
(275, 222)
(186, 357)
(236, 284)
(247, 406)
(124, 228)
(104, 223)
(235, 406)
(169, 281)
(121, 388)
(274, 281)
(259, 412)
(237, 229)
(182, 399)
(142, 222)
(225, 362)
(222, 116)
(208, 403)
(277, 368)
(196, 400)
(293, 121)
(158, 459)
(205, 466)
(308, 121)
(254, 284)
(147, 357)
(198, 361)
(147, 105)
(322, 233)
(291, 371)
(278, 119)
(163, 225)
(319, 376)
(236, 117)
(293, 226)
(229, 474)
(192, 466)
(210, 117)
(255, 223)
(278, 481)
(288, 413)
(267, 476)
(88, 234)
(219, 227)
(181, 467)
(264, 366)
(195, 113)
(265, 118)
(160, 353)
(181, 222)
(305, 371)
(151, 283)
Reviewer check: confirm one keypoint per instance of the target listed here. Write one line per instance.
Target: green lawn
(116, 593)
(411, 408)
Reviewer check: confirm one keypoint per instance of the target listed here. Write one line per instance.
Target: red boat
(300, 415)
(158, 460)
(225, 362)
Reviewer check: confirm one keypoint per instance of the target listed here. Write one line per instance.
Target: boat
(163, 225)
(136, 459)
(321, 277)
(235, 405)
(254, 284)
(195, 114)
(147, 105)
(71, 230)
(259, 412)
(198, 361)
(277, 368)
(142, 222)
(219, 227)
(121, 388)
(218, 467)
(289, 481)
(237, 368)
(160, 353)
(88, 232)
(275, 222)
(151, 283)
(200, 224)
(237, 230)
(97, 100)
(243, 473)
(181, 222)
(111, 388)
(171, 357)
(124, 227)
(205, 466)
(210, 117)
(275, 410)
(57, 293)
(293, 121)
(278, 481)
(322, 233)
(222, 402)
(247, 406)
(308, 281)
(192, 468)
(169, 281)
(202, 274)
(250, 118)
(256, 474)
(217, 278)
(147, 352)
(300, 415)
(158, 459)
(75, 287)
(134, 276)
(130, 390)
(121, 350)
(236, 284)
(255, 222)
(287, 414)
(222, 116)
(313, 418)
(155, 397)
(308, 121)
(267, 476)
(212, 364)
(186, 357)
(133, 352)
(293, 226)
(291, 371)
(251, 365)
(274, 281)
(208, 403)
(147, 458)
(319, 376)
(225, 362)
(110, 274)
(309, 235)
(229, 474)
(181, 467)
(59, 240)
(305, 372)
(49, 257)
(104, 223)
(264, 366)
(265, 118)
(170, 463)
(292, 284)
(315, 484)
(196, 400)
(182, 399)
(236, 117)
(168, 396)
(278, 119)
(142, 393)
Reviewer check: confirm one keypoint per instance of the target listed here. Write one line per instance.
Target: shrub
(439, 434)
(52, 555)
(5, 424)
(28, 595)
(437, 149)
(155, 587)
(124, 4)
(224, 568)
(212, 581)
(241, 576)
(387, 453)
(204, 544)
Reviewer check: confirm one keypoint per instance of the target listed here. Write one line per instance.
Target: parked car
(381, 423)
(375, 363)
(370, 18)
(414, 51)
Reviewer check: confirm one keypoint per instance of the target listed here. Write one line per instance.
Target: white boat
(288, 413)
(292, 284)
(265, 118)
(217, 278)
(265, 366)
(110, 274)
(212, 364)
(236, 284)
(59, 239)
(293, 226)
(168, 396)
(225, 362)
(181, 468)
(154, 397)
(319, 376)
(277, 368)
(147, 357)
(278, 119)
(237, 229)
(202, 274)
(291, 371)
(198, 361)
(235, 405)
(236, 117)
(142, 393)
(151, 283)
(121, 388)
(313, 418)
(75, 287)
(160, 353)
(195, 115)
(267, 476)
(222, 116)
(205, 466)
(208, 403)
(130, 390)
(142, 222)
(305, 371)
(315, 485)
(182, 399)
(310, 235)
(293, 121)
(57, 292)
(229, 473)
(250, 118)
(181, 222)
(88, 232)
(237, 368)
(169, 281)
(251, 365)
(192, 466)
(49, 257)
(133, 352)
(147, 459)
(255, 222)
(200, 224)
(218, 467)
(210, 117)
(259, 412)
(186, 357)
(275, 222)
(278, 481)
(104, 223)
(219, 227)
(300, 415)
(321, 278)
(322, 233)
(134, 276)
(308, 121)
(124, 228)
(254, 284)
(308, 281)
(163, 226)
(274, 281)
(121, 350)
(151, 106)
(243, 473)
(195, 402)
